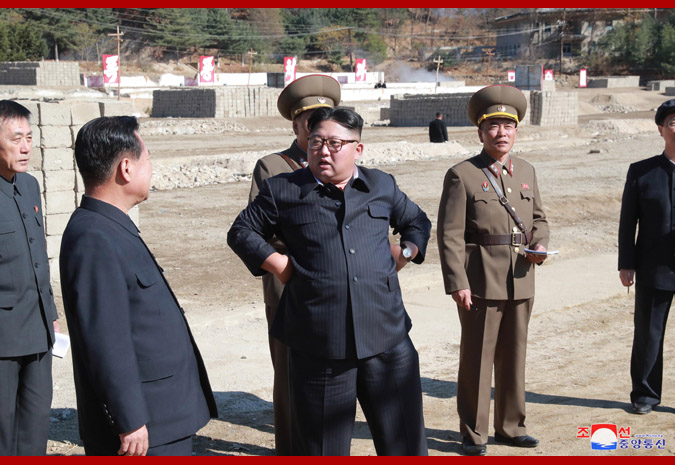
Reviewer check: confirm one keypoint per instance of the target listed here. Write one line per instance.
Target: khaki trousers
(281, 397)
(494, 333)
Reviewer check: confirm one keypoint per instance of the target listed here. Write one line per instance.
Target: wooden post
(118, 36)
(490, 54)
(438, 62)
(250, 65)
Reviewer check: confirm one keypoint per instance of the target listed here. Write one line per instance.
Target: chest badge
(525, 186)
(36, 208)
(485, 186)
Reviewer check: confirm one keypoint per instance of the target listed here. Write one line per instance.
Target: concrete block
(84, 112)
(56, 224)
(116, 109)
(59, 202)
(37, 174)
(58, 159)
(135, 216)
(79, 183)
(56, 136)
(35, 162)
(670, 91)
(53, 246)
(54, 114)
(55, 275)
(59, 181)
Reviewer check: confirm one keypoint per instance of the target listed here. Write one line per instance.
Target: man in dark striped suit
(341, 313)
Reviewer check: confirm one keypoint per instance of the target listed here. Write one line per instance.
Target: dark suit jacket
(648, 205)
(343, 299)
(135, 361)
(26, 302)
(438, 132)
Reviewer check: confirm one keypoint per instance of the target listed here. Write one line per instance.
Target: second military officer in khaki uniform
(296, 103)
(487, 271)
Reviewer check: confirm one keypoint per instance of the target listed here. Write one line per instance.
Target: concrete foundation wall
(544, 109)
(554, 108)
(40, 73)
(614, 81)
(660, 86)
(52, 163)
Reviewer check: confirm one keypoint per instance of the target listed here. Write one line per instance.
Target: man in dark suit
(140, 380)
(648, 205)
(27, 312)
(341, 313)
(438, 132)
(296, 103)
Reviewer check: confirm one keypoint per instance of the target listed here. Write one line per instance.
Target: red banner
(360, 70)
(111, 69)
(290, 64)
(206, 69)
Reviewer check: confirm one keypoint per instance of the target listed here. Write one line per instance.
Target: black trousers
(388, 387)
(646, 365)
(25, 403)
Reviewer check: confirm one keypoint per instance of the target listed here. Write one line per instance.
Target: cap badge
(321, 99)
(485, 186)
(501, 108)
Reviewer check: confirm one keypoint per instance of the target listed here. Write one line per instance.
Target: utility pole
(250, 65)
(438, 62)
(490, 53)
(118, 36)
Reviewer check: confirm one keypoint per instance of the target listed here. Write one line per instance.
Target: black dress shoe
(518, 441)
(470, 448)
(640, 408)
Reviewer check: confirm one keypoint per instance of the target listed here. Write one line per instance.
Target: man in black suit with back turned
(648, 205)
(140, 381)
(27, 312)
(438, 132)
(341, 313)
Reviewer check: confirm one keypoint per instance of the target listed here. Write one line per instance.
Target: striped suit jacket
(344, 299)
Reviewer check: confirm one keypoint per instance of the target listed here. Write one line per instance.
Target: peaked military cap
(498, 101)
(307, 93)
(665, 109)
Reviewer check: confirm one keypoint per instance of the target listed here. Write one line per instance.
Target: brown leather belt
(515, 238)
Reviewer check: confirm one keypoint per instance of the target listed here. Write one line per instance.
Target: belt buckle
(513, 238)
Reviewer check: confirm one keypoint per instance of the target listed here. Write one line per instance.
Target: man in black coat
(438, 132)
(140, 380)
(341, 313)
(27, 312)
(648, 205)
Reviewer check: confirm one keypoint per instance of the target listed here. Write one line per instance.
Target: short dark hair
(101, 143)
(9, 109)
(438, 114)
(342, 116)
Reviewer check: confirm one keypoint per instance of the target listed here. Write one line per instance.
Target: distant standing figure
(647, 205)
(438, 132)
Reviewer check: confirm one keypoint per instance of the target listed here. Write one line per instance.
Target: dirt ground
(581, 329)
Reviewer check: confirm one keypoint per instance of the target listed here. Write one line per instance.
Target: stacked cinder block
(40, 73)
(420, 109)
(660, 86)
(670, 91)
(218, 102)
(614, 81)
(554, 108)
(184, 103)
(52, 163)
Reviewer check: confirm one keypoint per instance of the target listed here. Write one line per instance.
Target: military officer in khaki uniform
(487, 270)
(296, 103)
